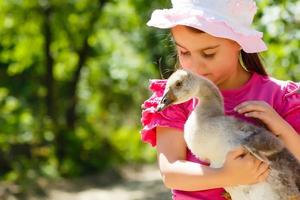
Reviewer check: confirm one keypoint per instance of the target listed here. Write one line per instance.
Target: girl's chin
(209, 77)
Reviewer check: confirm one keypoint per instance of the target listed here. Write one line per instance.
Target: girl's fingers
(258, 164)
(248, 108)
(251, 106)
(236, 153)
(256, 114)
(263, 119)
(251, 162)
(245, 103)
(263, 176)
(262, 168)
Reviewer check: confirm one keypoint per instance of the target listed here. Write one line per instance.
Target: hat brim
(249, 39)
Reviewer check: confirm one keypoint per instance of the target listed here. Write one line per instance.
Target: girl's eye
(184, 53)
(211, 55)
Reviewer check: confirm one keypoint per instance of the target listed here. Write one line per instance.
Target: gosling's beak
(166, 101)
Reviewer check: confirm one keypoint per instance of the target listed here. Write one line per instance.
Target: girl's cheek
(185, 63)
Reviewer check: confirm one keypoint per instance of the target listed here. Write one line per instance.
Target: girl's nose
(198, 66)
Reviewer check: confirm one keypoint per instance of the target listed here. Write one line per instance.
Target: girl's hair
(252, 61)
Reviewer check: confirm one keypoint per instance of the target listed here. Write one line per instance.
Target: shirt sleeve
(291, 105)
(173, 116)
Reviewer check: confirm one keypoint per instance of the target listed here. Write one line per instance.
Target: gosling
(209, 134)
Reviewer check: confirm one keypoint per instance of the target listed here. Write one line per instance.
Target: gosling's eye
(178, 84)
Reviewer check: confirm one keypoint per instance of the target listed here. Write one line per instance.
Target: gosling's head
(181, 86)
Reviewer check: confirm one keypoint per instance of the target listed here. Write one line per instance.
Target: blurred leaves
(72, 78)
(73, 75)
(279, 20)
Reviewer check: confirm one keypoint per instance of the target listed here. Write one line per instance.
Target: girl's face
(209, 56)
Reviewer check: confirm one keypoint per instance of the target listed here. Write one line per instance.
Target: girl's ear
(237, 46)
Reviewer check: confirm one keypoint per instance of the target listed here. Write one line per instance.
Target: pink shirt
(283, 96)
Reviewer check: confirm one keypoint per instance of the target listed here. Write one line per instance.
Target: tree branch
(49, 80)
(83, 55)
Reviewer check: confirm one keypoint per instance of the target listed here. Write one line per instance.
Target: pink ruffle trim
(292, 89)
(291, 105)
(174, 116)
(149, 114)
(291, 98)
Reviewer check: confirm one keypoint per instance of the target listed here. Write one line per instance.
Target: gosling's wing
(259, 191)
(238, 193)
(258, 141)
(267, 147)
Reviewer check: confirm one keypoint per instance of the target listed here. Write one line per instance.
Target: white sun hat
(229, 19)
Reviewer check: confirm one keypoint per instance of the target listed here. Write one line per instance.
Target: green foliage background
(73, 74)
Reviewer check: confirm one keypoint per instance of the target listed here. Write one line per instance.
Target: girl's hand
(241, 168)
(266, 114)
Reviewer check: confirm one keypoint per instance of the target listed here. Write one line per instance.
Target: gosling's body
(215, 136)
(210, 134)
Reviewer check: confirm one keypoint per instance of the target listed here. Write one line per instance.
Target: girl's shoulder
(284, 88)
(286, 98)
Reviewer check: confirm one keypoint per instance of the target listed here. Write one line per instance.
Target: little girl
(214, 39)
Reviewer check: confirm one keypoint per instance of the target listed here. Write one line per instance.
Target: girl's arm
(177, 173)
(290, 138)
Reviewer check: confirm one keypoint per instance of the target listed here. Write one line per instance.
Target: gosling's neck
(210, 100)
